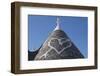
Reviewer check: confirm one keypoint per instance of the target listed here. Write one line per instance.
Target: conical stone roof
(58, 46)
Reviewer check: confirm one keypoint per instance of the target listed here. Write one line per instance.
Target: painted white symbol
(61, 42)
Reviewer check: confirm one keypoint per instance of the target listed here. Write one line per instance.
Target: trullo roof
(58, 46)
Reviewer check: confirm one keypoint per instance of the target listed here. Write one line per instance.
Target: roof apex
(57, 25)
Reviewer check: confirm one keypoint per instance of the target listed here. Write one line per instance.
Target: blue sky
(40, 27)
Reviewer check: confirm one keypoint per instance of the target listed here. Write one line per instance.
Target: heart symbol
(59, 45)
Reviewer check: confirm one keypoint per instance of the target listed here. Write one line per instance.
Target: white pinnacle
(57, 25)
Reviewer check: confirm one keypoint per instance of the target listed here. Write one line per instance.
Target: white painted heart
(58, 44)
